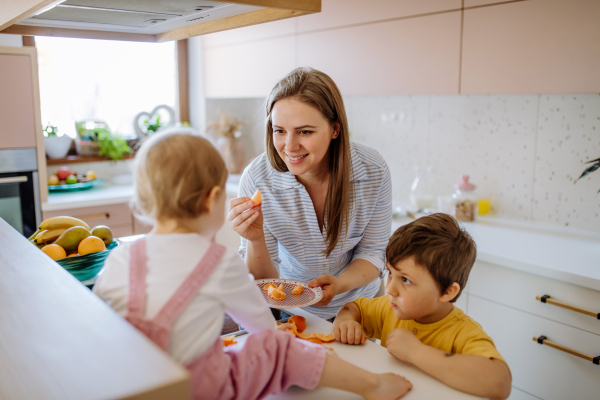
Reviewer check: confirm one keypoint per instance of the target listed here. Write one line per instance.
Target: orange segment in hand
(256, 198)
(298, 290)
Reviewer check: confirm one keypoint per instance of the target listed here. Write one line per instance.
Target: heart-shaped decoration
(138, 121)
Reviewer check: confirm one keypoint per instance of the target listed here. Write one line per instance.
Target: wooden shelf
(81, 159)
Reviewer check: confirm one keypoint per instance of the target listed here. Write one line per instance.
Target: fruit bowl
(87, 266)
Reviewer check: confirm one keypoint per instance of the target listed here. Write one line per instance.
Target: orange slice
(298, 290)
(229, 340)
(311, 337)
(256, 198)
(268, 285)
(275, 293)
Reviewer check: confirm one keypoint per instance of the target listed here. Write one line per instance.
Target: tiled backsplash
(524, 152)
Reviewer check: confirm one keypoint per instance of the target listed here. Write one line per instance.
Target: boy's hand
(402, 344)
(348, 331)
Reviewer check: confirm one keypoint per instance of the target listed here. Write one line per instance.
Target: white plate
(308, 297)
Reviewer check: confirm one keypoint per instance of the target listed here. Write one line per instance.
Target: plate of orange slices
(287, 293)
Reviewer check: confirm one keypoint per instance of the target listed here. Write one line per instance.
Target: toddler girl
(174, 285)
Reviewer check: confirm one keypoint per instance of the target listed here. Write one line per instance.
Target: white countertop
(551, 252)
(371, 357)
(107, 194)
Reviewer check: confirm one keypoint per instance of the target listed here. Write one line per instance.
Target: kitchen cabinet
(116, 216)
(20, 106)
(248, 69)
(338, 13)
(504, 302)
(410, 56)
(536, 46)
(274, 29)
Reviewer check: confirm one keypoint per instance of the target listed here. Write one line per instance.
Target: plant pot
(57, 146)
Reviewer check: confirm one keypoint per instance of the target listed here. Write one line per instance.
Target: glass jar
(465, 200)
(422, 195)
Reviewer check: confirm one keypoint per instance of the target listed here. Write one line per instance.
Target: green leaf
(590, 169)
(112, 146)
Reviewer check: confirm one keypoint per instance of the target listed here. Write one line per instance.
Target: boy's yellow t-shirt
(456, 333)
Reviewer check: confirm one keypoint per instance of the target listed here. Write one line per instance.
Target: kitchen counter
(108, 194)
(553, 252)
(60, 341)
(371, 357)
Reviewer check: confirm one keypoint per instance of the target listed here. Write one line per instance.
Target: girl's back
(170, 260)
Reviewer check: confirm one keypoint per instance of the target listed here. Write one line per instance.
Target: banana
(49, 235)
(62, 222)
(32, 237)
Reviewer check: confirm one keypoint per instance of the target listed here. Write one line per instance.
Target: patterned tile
(568, 136)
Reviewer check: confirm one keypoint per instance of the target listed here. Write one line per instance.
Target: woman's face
(301, 136)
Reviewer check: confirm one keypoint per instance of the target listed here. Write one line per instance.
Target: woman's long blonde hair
(318, 90)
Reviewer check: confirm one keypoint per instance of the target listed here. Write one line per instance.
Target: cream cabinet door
(409, 56)
(17, 111)
(536, 46)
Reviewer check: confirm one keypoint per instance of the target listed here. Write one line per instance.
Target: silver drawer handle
(14, 179)
(547, 299)
(544, 340)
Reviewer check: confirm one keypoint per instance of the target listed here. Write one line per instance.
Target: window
(104, 80)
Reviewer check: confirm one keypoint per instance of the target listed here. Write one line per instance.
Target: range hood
(143, 20)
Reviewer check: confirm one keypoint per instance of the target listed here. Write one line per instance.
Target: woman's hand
(329, 285)
(245, 219)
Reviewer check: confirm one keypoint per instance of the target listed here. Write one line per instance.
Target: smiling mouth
(295, 158)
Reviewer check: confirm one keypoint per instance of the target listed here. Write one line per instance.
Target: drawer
(112, 215)
(121, 231)
(519, 290)
(537, 369)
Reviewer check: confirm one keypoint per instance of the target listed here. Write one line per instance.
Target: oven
(19, 190)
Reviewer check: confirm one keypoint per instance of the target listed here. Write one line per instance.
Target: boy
(429, 261)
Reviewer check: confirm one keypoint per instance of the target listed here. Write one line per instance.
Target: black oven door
(18, 200)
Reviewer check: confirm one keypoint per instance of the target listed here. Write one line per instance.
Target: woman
(326, 210)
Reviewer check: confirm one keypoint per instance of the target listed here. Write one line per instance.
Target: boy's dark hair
(437, 243)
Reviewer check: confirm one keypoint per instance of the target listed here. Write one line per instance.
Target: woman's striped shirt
(295, 243)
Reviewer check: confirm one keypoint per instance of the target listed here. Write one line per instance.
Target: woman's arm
(258, 260)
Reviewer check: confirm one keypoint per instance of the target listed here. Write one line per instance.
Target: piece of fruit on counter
(65, 175)
(298, 323)
(57, 223)
(54, 251)
(69, 232)
(91, 244)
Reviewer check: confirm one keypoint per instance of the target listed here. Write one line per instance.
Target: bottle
(422, 195)
(465, 200)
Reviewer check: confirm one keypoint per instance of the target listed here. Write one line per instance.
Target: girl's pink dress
(269, 362)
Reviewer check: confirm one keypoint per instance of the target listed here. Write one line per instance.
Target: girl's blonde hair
(173, 174)
(320, 91)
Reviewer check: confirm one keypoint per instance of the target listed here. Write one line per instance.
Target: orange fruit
(229, 340)
(73, 255)
(298, 290)
(268, 285)
(54, 251)
(276, 293)
(256, 198)
(91, 244)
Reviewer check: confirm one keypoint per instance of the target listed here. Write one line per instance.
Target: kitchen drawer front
(519, 290)
(121, 231)
(112, 215)
(537, 369)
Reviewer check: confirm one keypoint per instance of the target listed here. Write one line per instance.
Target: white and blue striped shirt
(295, 243)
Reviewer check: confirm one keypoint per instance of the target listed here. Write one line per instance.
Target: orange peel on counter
(298, 323)
(229, 340)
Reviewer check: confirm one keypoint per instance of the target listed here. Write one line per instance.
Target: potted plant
(229, 142)
(95, 138)
(56, 146)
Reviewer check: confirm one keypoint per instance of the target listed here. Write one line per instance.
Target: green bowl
(87, 266)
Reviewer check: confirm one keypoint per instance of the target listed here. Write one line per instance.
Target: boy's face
(412, 291)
